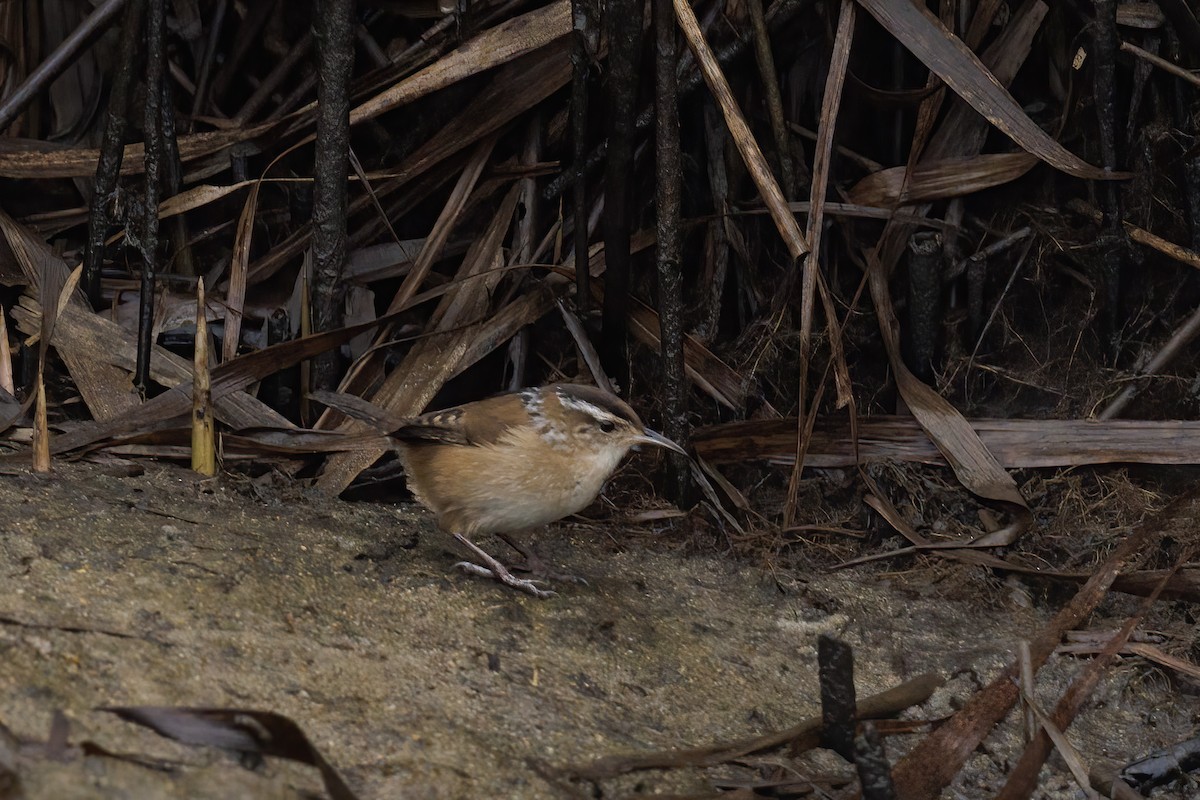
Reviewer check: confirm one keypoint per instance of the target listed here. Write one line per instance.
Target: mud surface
(420, 682)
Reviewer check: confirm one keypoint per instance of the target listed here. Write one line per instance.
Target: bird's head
(596, 421)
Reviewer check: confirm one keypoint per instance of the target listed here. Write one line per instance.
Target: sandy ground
(416, 681)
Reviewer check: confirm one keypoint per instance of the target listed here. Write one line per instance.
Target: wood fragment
(804, 736)
(1161, 63)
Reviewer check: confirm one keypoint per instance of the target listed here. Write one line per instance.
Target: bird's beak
(657, 439)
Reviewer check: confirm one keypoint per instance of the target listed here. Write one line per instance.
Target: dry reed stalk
(204, 455)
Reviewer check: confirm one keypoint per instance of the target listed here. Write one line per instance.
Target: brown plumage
(517, 461)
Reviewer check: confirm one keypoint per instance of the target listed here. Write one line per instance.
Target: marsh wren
(516, 461)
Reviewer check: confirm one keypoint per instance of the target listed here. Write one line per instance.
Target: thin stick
(1183, 335)
(1161, 63)
(1141, 235)
(58, 61)
(804, 736)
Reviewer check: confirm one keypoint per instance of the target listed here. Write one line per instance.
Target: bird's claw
(507, 578)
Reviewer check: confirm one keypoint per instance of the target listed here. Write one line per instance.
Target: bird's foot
(507, 578)
(493, 569)
(534, 564)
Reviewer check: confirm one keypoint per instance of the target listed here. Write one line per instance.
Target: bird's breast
(521, 481)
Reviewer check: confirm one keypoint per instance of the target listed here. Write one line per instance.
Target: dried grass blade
(1075, 763)
(80, 162)
(450, 214)
(973, 464)
(1163, 659)
(879, 502)
(227, 378)
(235, 297)
(938, 180)
(768, 187)
(6, 371)
(515, 89)
(1022, 781)
(495, 46)
(1016, 443)
(812, 279)
(292, 442)
(963, 132)
(113, 346)
(198, 197)
(243, 730)
(585, 346)
(705, 369)
(107, 391)
(946, 55)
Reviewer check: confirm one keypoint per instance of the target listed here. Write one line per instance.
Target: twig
(1183, 336)
(1161, 63)
(772, 98)
(802, 737)
(933, 763)
(1022, 781)
(57, 62)
(1141, 235)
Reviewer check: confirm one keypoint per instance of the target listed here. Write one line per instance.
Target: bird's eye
(608, 426)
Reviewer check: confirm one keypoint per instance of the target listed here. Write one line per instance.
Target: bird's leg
(497, 571)
(534, 564)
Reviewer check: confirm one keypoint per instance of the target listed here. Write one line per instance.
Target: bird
(516, 461)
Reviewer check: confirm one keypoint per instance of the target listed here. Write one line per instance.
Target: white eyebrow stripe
(596, 412)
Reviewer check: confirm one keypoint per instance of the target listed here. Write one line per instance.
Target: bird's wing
(450, 426)
(441, 426)
(481, 423)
